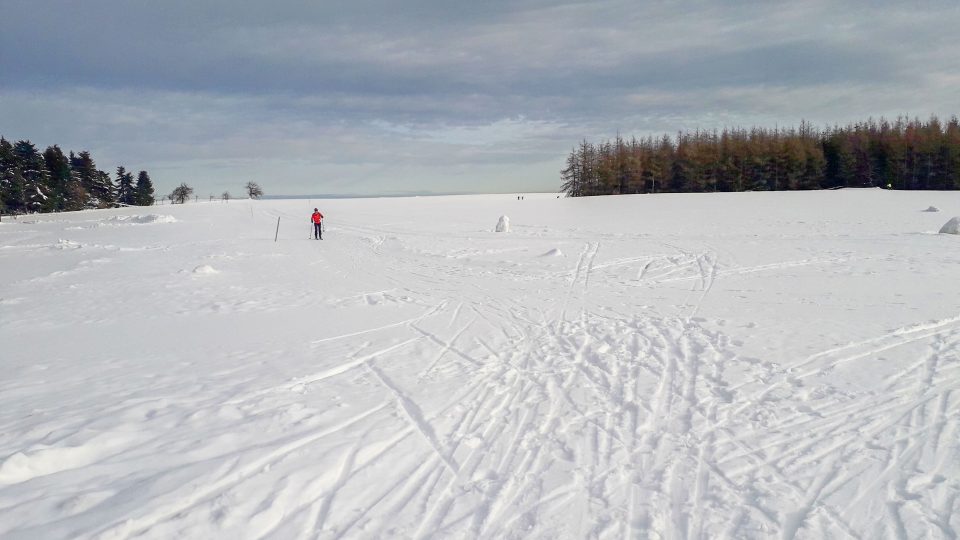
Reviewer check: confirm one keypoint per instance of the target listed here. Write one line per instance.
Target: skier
(317, 218)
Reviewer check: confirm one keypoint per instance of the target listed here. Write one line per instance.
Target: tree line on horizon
(904, 154)
(182, 193)
(32, 181)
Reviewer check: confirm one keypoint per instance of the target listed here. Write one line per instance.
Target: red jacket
(316, 217)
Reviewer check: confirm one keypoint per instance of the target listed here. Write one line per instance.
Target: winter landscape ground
(754, 365)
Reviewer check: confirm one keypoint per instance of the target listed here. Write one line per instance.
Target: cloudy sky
(381, 96)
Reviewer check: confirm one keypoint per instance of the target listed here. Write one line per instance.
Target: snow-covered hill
(681, 366)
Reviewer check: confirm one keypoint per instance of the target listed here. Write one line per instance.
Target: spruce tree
(96, 183)
(84, 177)
(59, 168)
(11, 184)
(76, 195)
(105, 190)
(125, 190)
(34, 177)
(143, 192)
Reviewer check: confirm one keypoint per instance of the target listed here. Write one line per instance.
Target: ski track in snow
(415, 383)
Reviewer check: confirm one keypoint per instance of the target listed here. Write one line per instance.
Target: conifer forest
(903, 154)
(50, 181)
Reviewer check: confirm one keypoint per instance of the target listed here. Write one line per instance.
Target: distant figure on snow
(317, 218)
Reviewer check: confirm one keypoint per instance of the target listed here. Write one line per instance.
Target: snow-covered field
(752, 365)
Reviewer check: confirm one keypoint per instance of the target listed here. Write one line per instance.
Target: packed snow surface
(757, 365)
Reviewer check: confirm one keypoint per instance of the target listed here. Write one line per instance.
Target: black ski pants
(317, 231)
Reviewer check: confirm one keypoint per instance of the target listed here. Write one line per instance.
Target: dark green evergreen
(59, 168)
(84, 173)
(11, 182)
(144, 190)
(33, 177)
(104, 192)
(125, 190)
(52, 182)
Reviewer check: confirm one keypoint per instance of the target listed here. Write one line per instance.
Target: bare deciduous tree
(253, 190)
(181, 193)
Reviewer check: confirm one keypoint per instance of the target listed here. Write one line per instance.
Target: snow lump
(504, 224)
(951, 227)
(205, 269)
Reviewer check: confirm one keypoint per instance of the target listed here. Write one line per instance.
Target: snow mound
(205, 269)
(555, 252)
(46, 460)
(504, 224)
(66, 244)
(932, 209)
(20, 467)
(141, 220)
(951, 227)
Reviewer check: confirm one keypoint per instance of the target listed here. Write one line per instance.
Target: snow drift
(139, 220)
(205, 269)
(951, 227)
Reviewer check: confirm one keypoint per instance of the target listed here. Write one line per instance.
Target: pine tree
(143, 192)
